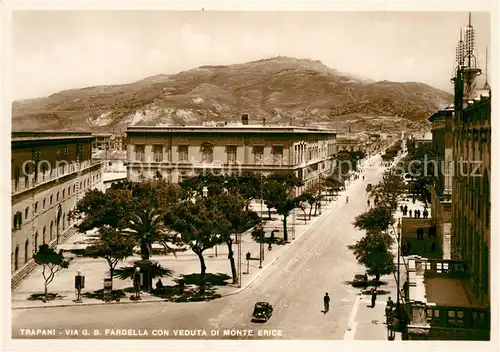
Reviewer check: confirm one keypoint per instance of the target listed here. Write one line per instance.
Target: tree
(373, 251)
(310, 200)
(146, 227)
(239, 219)
(112, 246)
(376, 219)
(247, 185)
(97, 209)
(51, 262)
(271, 193)
(199, 226)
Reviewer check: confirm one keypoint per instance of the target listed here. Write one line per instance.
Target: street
(295, 284)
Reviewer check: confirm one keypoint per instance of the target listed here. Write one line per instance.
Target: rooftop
(20, 136)
(110, 154)
(230, 129)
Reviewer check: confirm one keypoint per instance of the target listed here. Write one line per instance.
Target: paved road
(318, 262)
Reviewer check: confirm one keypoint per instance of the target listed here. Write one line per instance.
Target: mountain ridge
(278, 89)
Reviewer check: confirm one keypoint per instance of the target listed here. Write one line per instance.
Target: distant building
(423, 138)
(50, 172)
(114, 167)
(108, 141)
(176, 152)
(349, 143)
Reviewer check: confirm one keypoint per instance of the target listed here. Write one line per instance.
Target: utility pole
(239, 260)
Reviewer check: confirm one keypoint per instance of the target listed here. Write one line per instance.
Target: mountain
(279, 89)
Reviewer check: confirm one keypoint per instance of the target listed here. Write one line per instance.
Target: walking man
(374, 297)
(326, 302)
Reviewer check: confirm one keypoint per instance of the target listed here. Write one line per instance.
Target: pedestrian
(326, 302)
(401, 208)
(159, 284)
(388, 307)
(374, 297)
(406, 209)
(409, 212)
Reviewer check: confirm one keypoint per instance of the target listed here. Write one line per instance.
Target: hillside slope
(279, 89)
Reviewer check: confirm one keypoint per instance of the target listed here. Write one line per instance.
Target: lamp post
(204, 192)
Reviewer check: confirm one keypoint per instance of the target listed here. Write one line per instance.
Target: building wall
(40, 206)
(308, 155)
(471, 194)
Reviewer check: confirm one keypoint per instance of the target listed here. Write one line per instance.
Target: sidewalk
(367, 323)
(184, 263)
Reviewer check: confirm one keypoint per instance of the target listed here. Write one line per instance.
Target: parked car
(262, 312)
(360, 280)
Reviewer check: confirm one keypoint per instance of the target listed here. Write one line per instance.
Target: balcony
(440, 306)
(51, 175)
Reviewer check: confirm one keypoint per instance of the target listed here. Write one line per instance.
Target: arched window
(26, 250)
(69, 191)
(207, 153)
(51, 233)
(26, 211)
(43, 234)
(64, 221)
(35, 249)
(64, 193)
(16, 258)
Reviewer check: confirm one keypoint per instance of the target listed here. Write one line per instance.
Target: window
(57, 197)
(26, 213)
(64, 193)
(258, 153)
(231, 154)
(69, 191)
(51, 196)
(139, 153)
(74, 188)
(183, 152)
(26, 248)
(207, 153)
(158, 153)
(16, 258)
(36, 207)
(43, 234)
(43, 203)
(16, 177)
(278, 155)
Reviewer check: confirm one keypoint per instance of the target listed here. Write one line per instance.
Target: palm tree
(147, 227)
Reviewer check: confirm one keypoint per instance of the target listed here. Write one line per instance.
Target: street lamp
(399, 268)
(204, 191)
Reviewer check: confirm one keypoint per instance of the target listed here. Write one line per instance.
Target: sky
(57, 50)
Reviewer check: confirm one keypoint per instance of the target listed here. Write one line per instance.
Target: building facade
(472, 193)
(177, 152)
(442, 141)
(108, 141)
(114, 166)
(50, 171)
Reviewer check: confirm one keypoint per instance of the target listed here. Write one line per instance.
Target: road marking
(351, 325)
(351, 332)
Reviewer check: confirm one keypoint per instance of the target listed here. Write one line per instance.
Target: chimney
(244, 119)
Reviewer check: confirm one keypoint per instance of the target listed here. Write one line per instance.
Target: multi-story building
(177, 152)
(114, 166)
(50, 171)
(442, 141)
(450, 299)
(108, 141)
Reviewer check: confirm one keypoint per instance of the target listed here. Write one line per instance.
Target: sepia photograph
(250, 175)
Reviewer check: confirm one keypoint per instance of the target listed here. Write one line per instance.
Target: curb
(83, 304)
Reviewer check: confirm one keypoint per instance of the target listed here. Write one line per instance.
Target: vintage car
(360, 280)
(262, 312)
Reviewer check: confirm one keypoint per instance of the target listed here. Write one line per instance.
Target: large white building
(50, 172)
